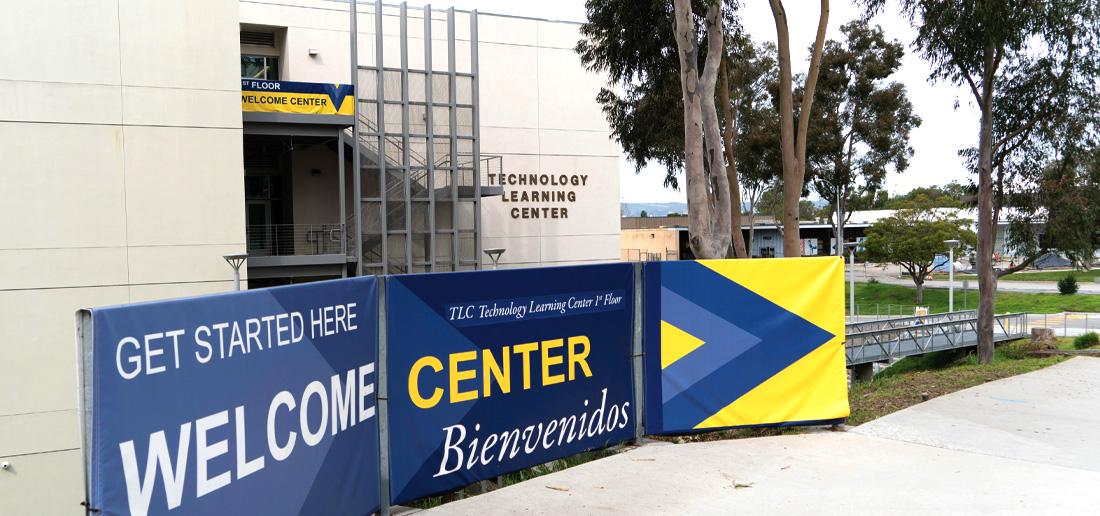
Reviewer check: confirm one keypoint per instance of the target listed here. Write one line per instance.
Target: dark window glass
(260, 67)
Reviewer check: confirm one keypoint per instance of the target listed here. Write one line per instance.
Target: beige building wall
(120, 181)
(640, 244)
(539, 111)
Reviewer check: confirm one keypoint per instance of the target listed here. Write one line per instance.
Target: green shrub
(1067, 285)
(872, 281)
(1087, 340)
(1016, 350)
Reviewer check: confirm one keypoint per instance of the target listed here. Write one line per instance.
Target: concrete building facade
(127, 171)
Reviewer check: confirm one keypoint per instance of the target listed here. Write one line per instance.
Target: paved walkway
(890, 276)
(1002, 285)
(1026, 444)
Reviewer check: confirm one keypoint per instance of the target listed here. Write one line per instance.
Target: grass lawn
(870, 294)
(935, 374)
(1082, 276)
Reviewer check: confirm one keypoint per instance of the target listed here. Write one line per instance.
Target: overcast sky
(935, 143)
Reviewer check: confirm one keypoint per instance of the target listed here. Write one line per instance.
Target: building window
(260, 67)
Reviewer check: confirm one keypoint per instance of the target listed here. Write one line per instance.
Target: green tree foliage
(665, 59)
(771, 204)
(632, 42)
(1059, 211)
(951, 195)
(1032, 69)
(911, 239)
(862, 120)
(1067, 285)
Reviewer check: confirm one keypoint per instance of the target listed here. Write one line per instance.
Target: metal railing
(873, 311)
(295, 239)
(902, 337)
(1066, 324)
(862, 326)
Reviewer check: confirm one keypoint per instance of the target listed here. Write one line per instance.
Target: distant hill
(652, 209)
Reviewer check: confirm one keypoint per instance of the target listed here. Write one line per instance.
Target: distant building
(666, 238)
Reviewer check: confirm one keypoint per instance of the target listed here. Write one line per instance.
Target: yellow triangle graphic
(811, 389)
(676, 343)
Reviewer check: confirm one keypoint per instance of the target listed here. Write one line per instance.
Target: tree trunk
(739, 249)
(920, 292)
(707, 195)
(987, 280)
(792, 146)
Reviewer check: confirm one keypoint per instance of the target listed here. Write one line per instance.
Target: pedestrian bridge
(882, 340)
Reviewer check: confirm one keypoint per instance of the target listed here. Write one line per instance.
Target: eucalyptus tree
(792, 144)
(862, 121)
(636, 45)
(1030, 66)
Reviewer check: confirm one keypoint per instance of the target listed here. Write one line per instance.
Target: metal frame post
(405, 167)
(381, 102)
(637, 358)
(383, 402)
(429, 133)
(476, 133)
(951, 279)
(85, 349)
(357, 159)
(852, 282)
(342, 175)
(453, 171)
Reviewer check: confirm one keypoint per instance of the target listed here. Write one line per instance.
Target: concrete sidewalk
(1026, 444)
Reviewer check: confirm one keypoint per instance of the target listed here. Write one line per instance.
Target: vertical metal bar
(639, 352)
(85, 340)
(453, 171)
(343, 201)
(429, 133)
(381, 101)
(405, 166)
(477, 138)
(383, 400)
(356, 160)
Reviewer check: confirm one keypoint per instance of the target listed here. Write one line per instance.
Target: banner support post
(85, 347)
(637, 355)
(383, 404)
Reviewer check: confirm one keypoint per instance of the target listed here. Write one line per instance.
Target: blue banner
(495, 371)
(256, 402)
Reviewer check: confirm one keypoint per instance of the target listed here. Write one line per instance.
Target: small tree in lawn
(911, 239)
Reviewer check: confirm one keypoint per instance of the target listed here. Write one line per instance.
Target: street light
(852, 279)
(235, 261)
(951, 245)
(494, 254)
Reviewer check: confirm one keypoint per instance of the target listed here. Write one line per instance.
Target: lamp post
(852, 279)
(235, 261)
(951, 245)
(494, 254)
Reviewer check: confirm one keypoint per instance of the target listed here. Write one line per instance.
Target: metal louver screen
(264, 39)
